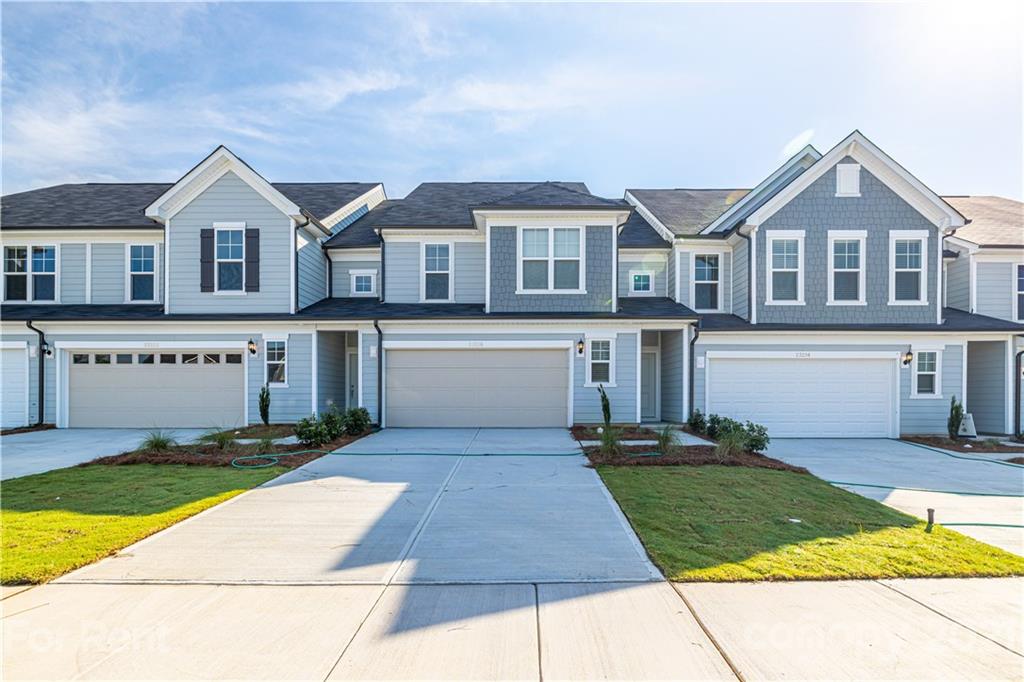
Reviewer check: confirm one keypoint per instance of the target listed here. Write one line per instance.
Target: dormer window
(848, 180)
(550, 260)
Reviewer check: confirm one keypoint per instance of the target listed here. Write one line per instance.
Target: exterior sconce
(46, 348)
(252, 347)
(580, 347)
(908, 357)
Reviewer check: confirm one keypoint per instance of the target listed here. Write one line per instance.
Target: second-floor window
(706, 289)
(846, 268)
(641, 282)
(230, 258)
(551, 260)
(907, 269)
(437, 272)
(141, 272)
(30, 273)
(785, 270)
(1020, 293)
(363, 282)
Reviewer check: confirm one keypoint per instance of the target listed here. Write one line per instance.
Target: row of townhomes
(840, 297)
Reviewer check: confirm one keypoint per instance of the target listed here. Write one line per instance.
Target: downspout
(380, 373)
(1016, 393)
(693, 364)
(42, 370)
(330, 274)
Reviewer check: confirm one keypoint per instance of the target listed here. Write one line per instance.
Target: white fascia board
(999, 255)
(646, 214)
(341, 255)
(82, 236)
(371, 198)
(208, 171)
(961, 244)
(806, 157)
(879, 164)
(813, 338)
(548, 217)
(439, 235)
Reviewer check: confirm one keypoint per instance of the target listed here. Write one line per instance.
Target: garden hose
(968, 458)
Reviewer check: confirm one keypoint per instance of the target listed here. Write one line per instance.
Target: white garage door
(806, 397)
(509, 387)
(13, 387)
(162, 389)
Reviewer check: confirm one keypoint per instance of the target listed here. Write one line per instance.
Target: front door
(352, 381)
(649, 386)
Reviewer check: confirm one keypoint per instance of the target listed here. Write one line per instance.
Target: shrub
(222, 439)
(713, 429)
(730, 444)
(158, 440)
(265, 445)
(666, 438)
(610, 444)
(956, 417)
(264, 401)
(606, 407)
(333, 422)
(311, 432)
(356, 421)
(757, 437)
(696, 422)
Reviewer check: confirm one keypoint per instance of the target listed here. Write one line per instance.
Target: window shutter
(206, 260)
(252, 259)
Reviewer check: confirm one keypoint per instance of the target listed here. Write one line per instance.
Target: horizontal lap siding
(402, 270)
(342, 285)
(291, 403)
(958, 281)
(996, 285)
(72, 273)
(672, 376)
(330, 356)
(986, 385)
(653, 262)
(312, 270)
(469, 272)
(740, 279)
(108, 273)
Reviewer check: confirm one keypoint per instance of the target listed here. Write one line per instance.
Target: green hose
(969, 459)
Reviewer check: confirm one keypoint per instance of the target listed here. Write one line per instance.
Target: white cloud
(797, 143)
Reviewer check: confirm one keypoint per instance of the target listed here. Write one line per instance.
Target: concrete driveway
(371, 564)
(961, 489)
(34, 452)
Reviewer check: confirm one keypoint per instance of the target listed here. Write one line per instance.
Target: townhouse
(840, 297)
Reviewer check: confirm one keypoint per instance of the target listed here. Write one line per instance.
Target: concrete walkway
(450, 566)
(34, 452)
(978, 491)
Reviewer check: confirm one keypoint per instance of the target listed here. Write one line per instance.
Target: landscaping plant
(222, 439)
(264, 401)
(606, 407)
(333, 422)
(696, 422)
(158, 440)
(757, 437)
(356, 421)
(311, 431)
(713, 429)
(667, 438)
(730, 444)
(956, 417)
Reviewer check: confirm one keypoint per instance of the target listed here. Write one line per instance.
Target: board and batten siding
(72, 273)
(312, 264)
(645, 262)
(230, 199)
(996, 286)
(987, 375)
(341, 286)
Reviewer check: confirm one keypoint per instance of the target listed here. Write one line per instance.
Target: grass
(60, 520)
(714, 523)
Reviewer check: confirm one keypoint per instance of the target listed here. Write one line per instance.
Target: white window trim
(938, 375)
(1017, 292)
(284, 339)
(900, 235)
(611, 362)
(582, 284)
(352, 274)
(849, 170)
(128, 273)
(783, 235)
(217, 229)
(847, 235)
(451, 271)
(694, 255)
(634, 292)
(29, 288)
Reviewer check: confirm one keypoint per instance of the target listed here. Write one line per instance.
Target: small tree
(265, 404)
(606, 407)
(956, 417)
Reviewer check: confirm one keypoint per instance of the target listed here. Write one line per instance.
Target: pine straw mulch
(686, 455)
(210, 455)
(977, 445)
(627, 432)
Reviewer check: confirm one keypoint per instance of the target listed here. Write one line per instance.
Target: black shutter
(206, 260)
(252, 259)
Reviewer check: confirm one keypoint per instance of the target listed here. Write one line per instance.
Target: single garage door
(806, 397)
(162, 389)
(508, 387)
(13, 387)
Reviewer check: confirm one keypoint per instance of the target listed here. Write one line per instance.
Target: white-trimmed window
(707, 289)
(363, 282)
(437, 272)
(846, 278)
(30, 273)
(848, 180)
(908, 267)
(230, 259)
(1020, 293)
(551, 260)
(600, 362)
(141, 285)
(927, 374)
(276, 359)
(641, 283)
(785, 267)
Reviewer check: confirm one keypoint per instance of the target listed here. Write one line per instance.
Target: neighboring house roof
(123, 205)
(361, 233)
(687, 211)
(954, 320)
(637, 233)
(994, 221)
(554, 195)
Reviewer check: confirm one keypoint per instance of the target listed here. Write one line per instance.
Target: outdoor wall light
(908, 357)
(46, 349)
(252, 347)
(580, 347)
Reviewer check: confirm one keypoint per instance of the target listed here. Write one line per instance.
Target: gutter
(380, 373)
(1016, 394)
(43, 347)
(693, 364)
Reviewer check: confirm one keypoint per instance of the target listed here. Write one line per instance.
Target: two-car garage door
(806, 396)
(477, 387)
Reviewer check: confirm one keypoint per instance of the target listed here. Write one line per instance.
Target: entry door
(352, 381)
(649, 386)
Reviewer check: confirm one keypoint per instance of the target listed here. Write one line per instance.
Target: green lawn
(715, 523)
(54, 522)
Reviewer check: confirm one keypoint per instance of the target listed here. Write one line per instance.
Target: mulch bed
(1016, 460)
(580, 432)
(27, 429)
(686, 455)
(212, 456)
(265, 431)
(978, 445)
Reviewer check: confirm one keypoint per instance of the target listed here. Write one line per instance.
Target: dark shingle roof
(687, 211)
(995, 221)
(954, 321)
(553, 195)
(123, 205)
(361, 233)
(638, 233)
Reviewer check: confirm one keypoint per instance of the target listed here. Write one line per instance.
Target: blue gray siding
(670, 275)
(330, 357)
(740, 280)
(469, 272)
(108, 273)
(342, 286)
(996, 285)
(725, 274)
(672, 354)
(312, 264)
(817, 210)
(653, 261)
(987, 375)
(958, 283)
(402, 270)
(230, 199)
(599, 292)
(72, 273)
(369, 369)
(287, 403)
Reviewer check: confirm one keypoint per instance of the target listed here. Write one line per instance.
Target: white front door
(649, 386)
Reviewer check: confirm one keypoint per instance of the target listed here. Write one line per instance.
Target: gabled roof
(637, 233)
(362, 233)
(687, 212)
(994, 221)
(554, 195)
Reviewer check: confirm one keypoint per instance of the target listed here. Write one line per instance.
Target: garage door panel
(806, 397)
(13, 387)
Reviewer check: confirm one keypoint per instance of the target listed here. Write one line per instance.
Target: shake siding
(108, 273)
(342, 287)
(672, 376)
(330, 357)
(402, 269)
(996, 284)
(958, 281)
(72, 273)
(653, 262)
(986, 385)
(469, 272)
(230, 199)
(312, 264)
(740, 279)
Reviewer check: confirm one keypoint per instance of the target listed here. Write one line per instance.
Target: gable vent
(848, 180)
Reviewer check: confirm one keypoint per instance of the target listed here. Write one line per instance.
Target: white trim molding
(632, 291)
(936, 371)
(909, 235)
(128, 274)
(450, 272)
(581, 258)
(773, 236)
(353, 274)
(588, 359)
(859, 236)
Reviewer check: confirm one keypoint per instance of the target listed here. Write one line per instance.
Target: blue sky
(618, 96)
